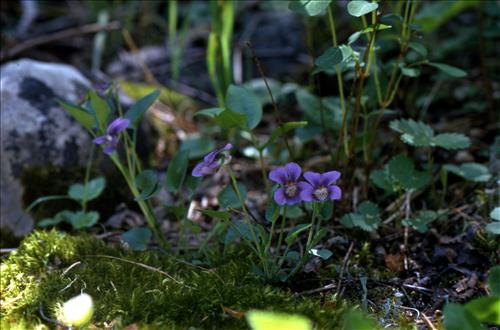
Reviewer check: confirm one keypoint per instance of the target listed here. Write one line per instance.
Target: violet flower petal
(313, 178)
(100, 139)
(334, 192)
(306, 192)
(278, 175)
(293, 171)
(279, 196)
(329, 178)
(117, 126)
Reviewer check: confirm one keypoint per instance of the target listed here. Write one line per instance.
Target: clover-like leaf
(358, 8)
(309, 7)
(420, 222)
(413, 132)
(366, 217)
(88, 192)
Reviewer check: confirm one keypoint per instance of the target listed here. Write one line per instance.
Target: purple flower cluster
(112, 136)
(318, 188)
(213, 161)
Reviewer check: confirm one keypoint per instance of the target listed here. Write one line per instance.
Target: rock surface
(35, 130)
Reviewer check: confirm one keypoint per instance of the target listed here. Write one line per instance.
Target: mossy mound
(147, 288)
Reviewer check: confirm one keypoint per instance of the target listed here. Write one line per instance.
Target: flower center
(109, 138)
(321, 193)
(291, 189)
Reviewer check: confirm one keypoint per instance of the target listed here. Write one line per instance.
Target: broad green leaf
(139, 108)
(309, 7)
(295, 232)
(382, 179)
(280, 131)
(197, 146)
(366, 217)
(311, 106)
(495, 214)
(272, 209)
(485, 309)
(413, 132)
(229, 119)
(147, 183)
(81, 115)
(494, 281)
(241, 100)
(137, 238)
(211, 112)
(228, 197)
(451, 141)
(322, 253)
(418, 47)
(267, 320)
(355, 320)
(176, 172)
(93, 189)
(358, 8)
(325, 210)
(456, 317)
(223, 215)
(101, 109)
(401, 169)
(81, 219)
(449, 70)
(410, 72)
(177, 211)
(493, 228)
(421, 221)
(331, 57)
(470, 171)
(57, 219)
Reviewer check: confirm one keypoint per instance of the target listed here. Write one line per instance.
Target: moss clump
(174, 295)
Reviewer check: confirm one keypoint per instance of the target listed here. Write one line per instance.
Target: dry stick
(344, 265)
(428, 322)
(275, 106)
(45, 39)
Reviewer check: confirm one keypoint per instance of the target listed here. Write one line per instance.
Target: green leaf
(495, 214)
(421, 221)
(355, 320)
(456, 317)
(485, 309)
(101, 109)
(470, 171)
(451, 141)
(81, 219)
(197, 146)
(418, 47)
(409, 72)
(309, 7)
(176, 172)
(382, 179)
(211, 112)
(295, 232)
(449, 70)
(266, 320)
(311, 105)
(493, 228)
(228, 197)
(358, 8)
(325, 210)
(223, 215)
(322, 253)
(229, 119)
(401, 169)
(414, 133)
(57, 219)
(494, 281)
(330, 58)
(81, 115)
(147, 183)
(93, 189)
(366, 217)
(241, 100)
(280, 131)
(136, 111)
(137, 238)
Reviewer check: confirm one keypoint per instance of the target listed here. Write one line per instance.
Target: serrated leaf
(451, 141)
(266, 320)
(243, 101)
(485, 309)
(93, 189)
(421, 221)
(137, 238)
(449, 70)
(470, 171)
(382, 179)
(139, 108)
(358, 8)
(147, 183)
(414, 133)
(228, 197)
(309, 7)
(176, 172)
(401, 169)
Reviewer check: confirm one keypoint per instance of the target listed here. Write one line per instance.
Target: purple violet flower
(290, 190)
(321, 187)
(112, 136)
(213, 161)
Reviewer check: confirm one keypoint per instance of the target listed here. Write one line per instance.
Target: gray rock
(35, 130)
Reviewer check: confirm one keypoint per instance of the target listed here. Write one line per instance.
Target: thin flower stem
(261, 160)
(308, 243)
(87, 177)
(282, 229)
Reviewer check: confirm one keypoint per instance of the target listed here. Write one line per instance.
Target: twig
(65, 34)
(428, 322)
(323, 288)
(344, 265)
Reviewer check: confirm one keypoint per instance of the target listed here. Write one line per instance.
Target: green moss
(129, 293)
